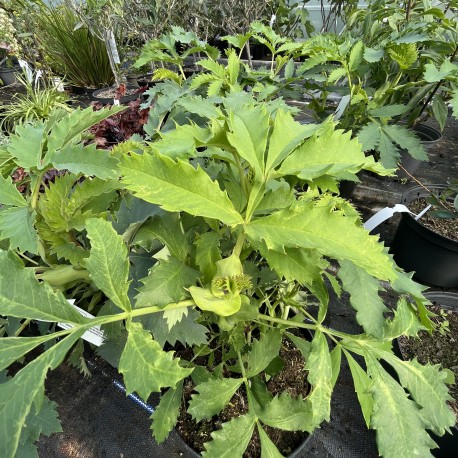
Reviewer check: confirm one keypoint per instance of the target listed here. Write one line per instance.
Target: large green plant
(212, 247)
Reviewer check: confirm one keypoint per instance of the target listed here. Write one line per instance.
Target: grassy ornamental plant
(200, 240)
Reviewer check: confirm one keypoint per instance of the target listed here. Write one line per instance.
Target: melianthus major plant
(207, 242)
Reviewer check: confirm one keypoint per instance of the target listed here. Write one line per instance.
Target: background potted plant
(428, 244)
(9, 49)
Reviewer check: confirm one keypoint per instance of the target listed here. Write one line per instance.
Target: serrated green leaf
(406, 139)
(336, 74)
(233, 66)
(22, 296)
(336, 357)
(356, 55)
(295, 264)
(208, 254)
(388, 111)
(168, 229)
(232, 439)
(303, 345)
(311, 225)
(405, 54)
(213, 396)
(319, 366)
(397, 420)
(71, 126)
(268, 448)
(187, 331)
(26, 387)
(333, 153)
(248, 135)
(262, 352)
(389, 153)
(286, 135)
(364, 298)
(200, 106)
(454, 103)
(174, 316)
(9, 195)
(131, 212)
(26, 145)
(108, 263)
(440, 111)
(166, 414)
(177, 186)
(434, 75)
(369, 136)
(17, 225)
(41, 420)
(373, 55)
(12, 348)
(362, 383)
(427, 386)
(87, 160)
(288, 413)
(166, 283)
(405, 321)
(147, 368)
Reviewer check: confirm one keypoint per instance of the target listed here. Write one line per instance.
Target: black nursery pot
(296, 453)
(434, 258)
(448, 443)
(110, 100)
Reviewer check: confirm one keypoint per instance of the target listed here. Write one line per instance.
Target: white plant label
(113, 47)
(94, 335)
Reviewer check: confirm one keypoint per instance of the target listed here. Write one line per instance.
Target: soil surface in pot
(446, 227)
(110, 93)
(439, 348)
(292, 378)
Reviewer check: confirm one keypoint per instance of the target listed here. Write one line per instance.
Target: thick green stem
(239, 244)
(36, 190)
(295, 324)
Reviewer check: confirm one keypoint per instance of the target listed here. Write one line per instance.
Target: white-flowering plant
(9, 45)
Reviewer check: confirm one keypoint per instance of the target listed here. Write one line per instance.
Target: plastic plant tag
(94, 335)
(383, 215)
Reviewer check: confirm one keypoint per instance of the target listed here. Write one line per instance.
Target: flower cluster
(8, 43)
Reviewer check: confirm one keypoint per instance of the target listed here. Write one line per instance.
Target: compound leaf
(288, 413)
(398, 421)
(166, 413)
(319, 366)
(268, 448)
(108, 263)
(364, 298)
(22, 296)
(212, 397)
(25, 388)
(232, 439)
(145, 366)
(262, 352)
(177, 186)
(17, 225)
(166, 283)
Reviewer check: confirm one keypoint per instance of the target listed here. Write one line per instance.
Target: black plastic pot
(8, 75)
(448, 443)
(294, 454)
(434, 258)
(110, 100)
